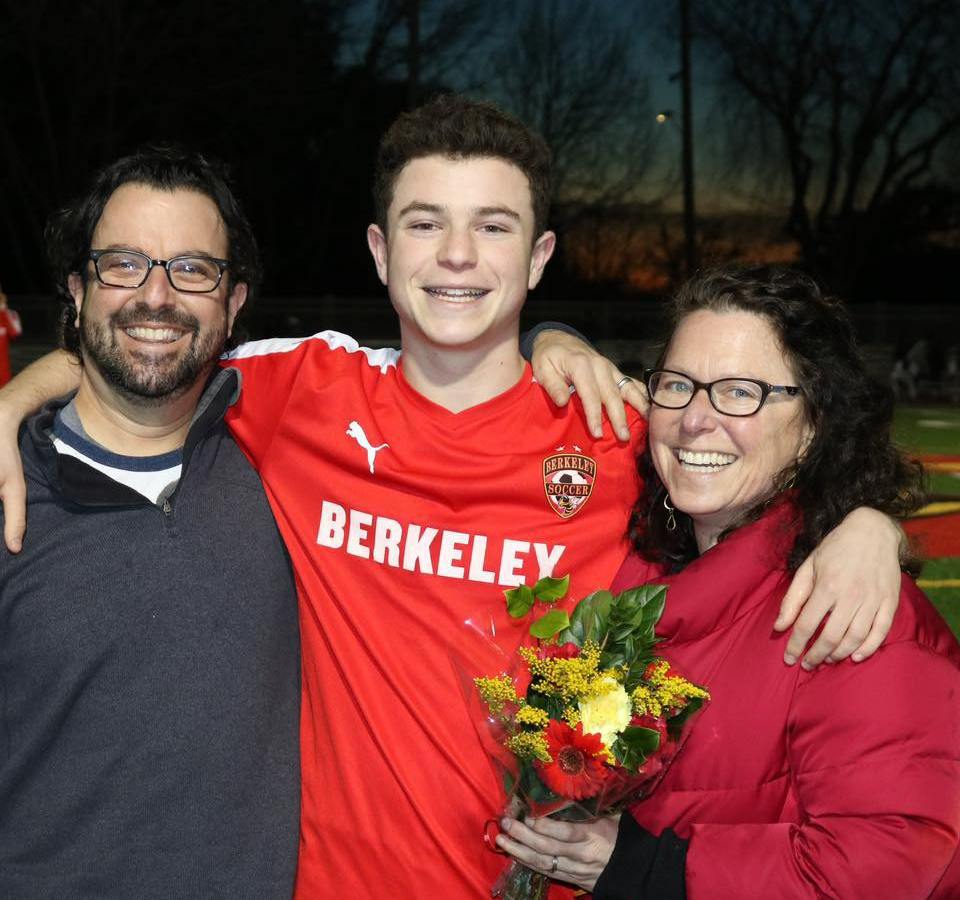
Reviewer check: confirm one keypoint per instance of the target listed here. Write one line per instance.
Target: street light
(666, 115)
(689, 215)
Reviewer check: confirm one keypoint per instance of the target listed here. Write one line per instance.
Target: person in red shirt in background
(10, 329)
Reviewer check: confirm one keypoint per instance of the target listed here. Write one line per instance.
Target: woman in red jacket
(843, 782)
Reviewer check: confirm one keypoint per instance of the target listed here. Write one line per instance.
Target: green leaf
(532, 787)
(612, 659)
(589, 619)
(637, 669)
(635, 744)
(550, 590)
(571, 635)
(675, 724)
(633, 615)
(519, 601)
(653, 599)
(642, 604)
(654, 608)
(550, 624)
(552, 706)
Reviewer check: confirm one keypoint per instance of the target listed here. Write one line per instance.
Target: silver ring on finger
(625, 380)
(554, 866)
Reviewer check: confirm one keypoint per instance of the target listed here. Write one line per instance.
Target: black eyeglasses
(130, 269)
(729, 396)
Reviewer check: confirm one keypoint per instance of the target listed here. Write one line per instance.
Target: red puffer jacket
(840, 783)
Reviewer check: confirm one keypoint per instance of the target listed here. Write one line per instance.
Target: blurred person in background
(10, 330)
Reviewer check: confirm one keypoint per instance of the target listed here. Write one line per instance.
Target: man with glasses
(149, 649)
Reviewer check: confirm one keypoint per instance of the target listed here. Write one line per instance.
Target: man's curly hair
(166, 167)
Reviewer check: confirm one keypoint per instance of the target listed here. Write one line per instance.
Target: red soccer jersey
(404, 521)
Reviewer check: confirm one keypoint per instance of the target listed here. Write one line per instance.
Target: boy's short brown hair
(459, 128)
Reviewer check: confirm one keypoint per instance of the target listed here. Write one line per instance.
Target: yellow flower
(531, 715)
(529, 745)
(663, 691)
(606, 712)
(645, 701)
(497, 691)
(675, 692)
(568, 678)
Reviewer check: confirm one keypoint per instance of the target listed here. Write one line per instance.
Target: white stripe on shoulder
(383, 359)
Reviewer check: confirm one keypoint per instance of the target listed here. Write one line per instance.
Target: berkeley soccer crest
(568, 480)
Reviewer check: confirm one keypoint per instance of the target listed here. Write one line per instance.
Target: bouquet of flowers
(584, 718)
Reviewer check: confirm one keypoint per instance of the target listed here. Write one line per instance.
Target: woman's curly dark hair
(167, 167)
(851, 460)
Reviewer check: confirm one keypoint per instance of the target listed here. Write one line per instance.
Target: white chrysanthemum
(607, 713)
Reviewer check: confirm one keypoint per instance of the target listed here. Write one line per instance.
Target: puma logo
(355, 430)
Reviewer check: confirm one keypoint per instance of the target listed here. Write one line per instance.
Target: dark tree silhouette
(572, 73)
(418, 42)
(81, 83)
(863, 96)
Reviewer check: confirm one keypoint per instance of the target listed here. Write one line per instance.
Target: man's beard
(150, 379)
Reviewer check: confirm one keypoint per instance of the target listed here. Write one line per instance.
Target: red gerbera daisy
(576, 771)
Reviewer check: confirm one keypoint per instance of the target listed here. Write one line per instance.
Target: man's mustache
(141, 313)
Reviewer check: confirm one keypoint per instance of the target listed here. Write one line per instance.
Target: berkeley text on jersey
(432, 551)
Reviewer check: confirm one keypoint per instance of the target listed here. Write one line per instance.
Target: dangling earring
(671, 519)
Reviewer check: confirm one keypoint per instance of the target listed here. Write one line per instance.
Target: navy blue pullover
(149, 682)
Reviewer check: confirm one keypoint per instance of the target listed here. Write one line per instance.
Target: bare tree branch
(860, 94)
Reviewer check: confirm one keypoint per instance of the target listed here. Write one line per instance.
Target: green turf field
(928, 429)
(936, 430)
(947, 600)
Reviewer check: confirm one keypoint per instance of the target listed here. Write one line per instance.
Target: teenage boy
(411, 490)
